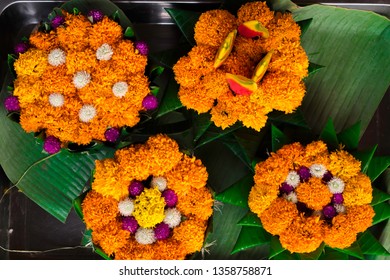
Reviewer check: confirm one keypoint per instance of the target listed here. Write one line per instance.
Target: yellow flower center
(149, 208)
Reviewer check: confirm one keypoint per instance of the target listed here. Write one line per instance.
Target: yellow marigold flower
(358, 190)
(278, 216)
(314, 193)
(28, 90)
(31, 63)
(304, 235)
(213, 27)
(255, 11)
(105, 31)
(149, 208)
(74, 36)
(343, 165)
(99, 210)
(44, 41)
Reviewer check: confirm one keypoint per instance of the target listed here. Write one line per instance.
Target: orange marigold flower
(281, 87)
(191, 234)
(304, 235)
(360, 217)
(343, 164)
(44, 41)
(261, 197)
(198, 202)
(105, 31)
(99, 210)
(341, 234)
(31, 63)
(358, 190)
(213, 27)
(314, 193)
(278, 216)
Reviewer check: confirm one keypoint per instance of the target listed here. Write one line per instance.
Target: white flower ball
(81, 79)
(336, 185)
(56, 99)
(87, 113)
(145, 236)
(292, 197)
(317, 170)
(56, 57)
(172, 217)
(339, 208)
(104, 52)
(119, 89)
(293, 179)
(126, 207)
(159, 182)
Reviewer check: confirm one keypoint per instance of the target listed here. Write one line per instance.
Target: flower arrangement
(80, 80)
(308, 195)
(149, 202)
(243, 67)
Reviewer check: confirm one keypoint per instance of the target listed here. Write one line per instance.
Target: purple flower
(136, 188)
(11, 103)
(170, 198)
(57, 21)
(142, 47)
(162, 231)
(52, 145)
(95, 15)
(286, 188)
(337, 198)
(150, 102)
(130, 224)
(329, 211)
(112, 134)
(327, 177)
(304, 173)
(21, 47)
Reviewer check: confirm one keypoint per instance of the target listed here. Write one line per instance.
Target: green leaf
(279, 139)
(201, 122)
(378, 196)
(168, 58)
(154, 90)
(313, 68)
(213, 133)
(250, 220)
(76, 11)
(276, 248)
(331, 254)
(170, 101)
(329, 135)
(283, 5)
(238, 193)
(382, 212)
(251, 237)
(370, 245)
(286, 255)
(365, 157)
(354, 250)
(11, 60)
(129, 32)
(353, 46)
(185, 20)
(350, 136)
(377, 166)
(304, 25)
(231, 142)
(87, 241)
(295, 118)
(315, 255)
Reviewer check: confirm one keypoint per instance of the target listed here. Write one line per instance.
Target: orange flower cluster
(205, 88)
(80, 79)
(112, 200)
(308, 195)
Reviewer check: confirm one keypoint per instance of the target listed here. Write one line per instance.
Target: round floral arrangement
(149, 202)
(243, 67)
(79, 80)
(308, 195)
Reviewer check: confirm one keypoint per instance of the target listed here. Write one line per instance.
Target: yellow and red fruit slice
(262, 67)
(241, 85)
(225, 49)
(253, 28)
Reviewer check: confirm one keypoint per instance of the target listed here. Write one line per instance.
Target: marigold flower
(205, 89)
(44, 41)
(304, 195)
(156, 199)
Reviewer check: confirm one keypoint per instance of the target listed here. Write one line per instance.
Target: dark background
(25, 226)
